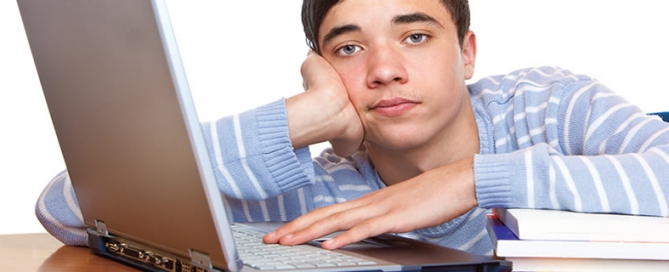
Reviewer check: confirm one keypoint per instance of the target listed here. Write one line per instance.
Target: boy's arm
(262, 153)
(587, 149)
(427, 200)
(603, 155)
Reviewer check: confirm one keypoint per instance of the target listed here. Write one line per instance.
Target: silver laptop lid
(121, 108)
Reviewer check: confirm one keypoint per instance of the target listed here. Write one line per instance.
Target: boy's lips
(393, 107)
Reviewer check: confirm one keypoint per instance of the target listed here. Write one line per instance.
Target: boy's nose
(385, 66)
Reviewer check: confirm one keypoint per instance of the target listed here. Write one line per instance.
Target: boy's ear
(469, 54)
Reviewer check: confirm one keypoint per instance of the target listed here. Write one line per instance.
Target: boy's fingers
(364, 230)
(320, 223)
(287, 232)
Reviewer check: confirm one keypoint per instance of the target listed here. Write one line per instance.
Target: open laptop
(128, 130)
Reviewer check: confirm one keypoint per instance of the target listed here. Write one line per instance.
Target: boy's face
(403, 66)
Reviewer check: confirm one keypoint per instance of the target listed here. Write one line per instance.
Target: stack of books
(547, 240)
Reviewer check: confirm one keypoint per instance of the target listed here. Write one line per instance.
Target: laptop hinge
(101, 227)
(200, 259)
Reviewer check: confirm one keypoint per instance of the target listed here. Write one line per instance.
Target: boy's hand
(427, 200)
(324, 112)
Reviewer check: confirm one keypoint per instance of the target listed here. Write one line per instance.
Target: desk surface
(42, 252)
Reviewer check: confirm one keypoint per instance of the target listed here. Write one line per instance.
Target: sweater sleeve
(583, 149)
(58, 211)
(252, 156)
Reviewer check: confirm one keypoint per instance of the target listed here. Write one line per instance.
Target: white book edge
(529, 224)
(575, 249)
(568, 264)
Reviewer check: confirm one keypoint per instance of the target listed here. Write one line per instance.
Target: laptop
(132, 142)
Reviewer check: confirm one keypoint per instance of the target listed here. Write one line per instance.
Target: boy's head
(403, 63)
(314, 11)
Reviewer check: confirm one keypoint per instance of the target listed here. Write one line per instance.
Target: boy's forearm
(306, 124)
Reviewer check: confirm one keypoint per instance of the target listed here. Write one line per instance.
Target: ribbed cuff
(492, 177)
(290, 168)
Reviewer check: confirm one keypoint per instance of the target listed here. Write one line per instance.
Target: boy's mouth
(393, 107)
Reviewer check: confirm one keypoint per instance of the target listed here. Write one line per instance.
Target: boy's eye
(416, 38)
(348, 49)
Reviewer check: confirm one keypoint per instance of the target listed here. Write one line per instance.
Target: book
(508, 245)
(571, 264)
(529, 224)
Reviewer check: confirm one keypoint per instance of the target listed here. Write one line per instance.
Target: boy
(416, 150)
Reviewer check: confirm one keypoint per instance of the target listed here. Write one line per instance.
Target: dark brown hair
(314, 11)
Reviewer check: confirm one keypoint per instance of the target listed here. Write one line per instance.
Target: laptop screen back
(112, 79)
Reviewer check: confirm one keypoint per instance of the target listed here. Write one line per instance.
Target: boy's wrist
(311, 119)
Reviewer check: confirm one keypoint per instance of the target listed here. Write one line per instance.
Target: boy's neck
(458, 141)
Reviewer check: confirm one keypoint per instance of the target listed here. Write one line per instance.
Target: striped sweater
(549, 139)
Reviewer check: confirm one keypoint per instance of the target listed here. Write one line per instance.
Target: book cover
(508, 245)
(529, 224)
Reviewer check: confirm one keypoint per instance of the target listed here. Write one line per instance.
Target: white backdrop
(241, 54)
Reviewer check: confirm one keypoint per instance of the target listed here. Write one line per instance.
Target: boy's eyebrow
(338, 31)
(399, 19)
(414, 18)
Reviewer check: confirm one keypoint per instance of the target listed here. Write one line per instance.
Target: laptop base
(143, 257)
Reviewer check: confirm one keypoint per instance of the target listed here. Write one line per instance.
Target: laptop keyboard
(261, 256)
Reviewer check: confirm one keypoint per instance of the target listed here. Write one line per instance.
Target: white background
(241, 54)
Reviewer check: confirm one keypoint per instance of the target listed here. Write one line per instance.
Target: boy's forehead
(350, 10)
(358, 12)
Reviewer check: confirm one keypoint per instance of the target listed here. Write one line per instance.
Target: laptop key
(304, 265)
(323, 264)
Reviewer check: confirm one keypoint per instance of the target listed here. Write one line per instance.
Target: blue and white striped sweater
(549, 139)
(571, 144)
